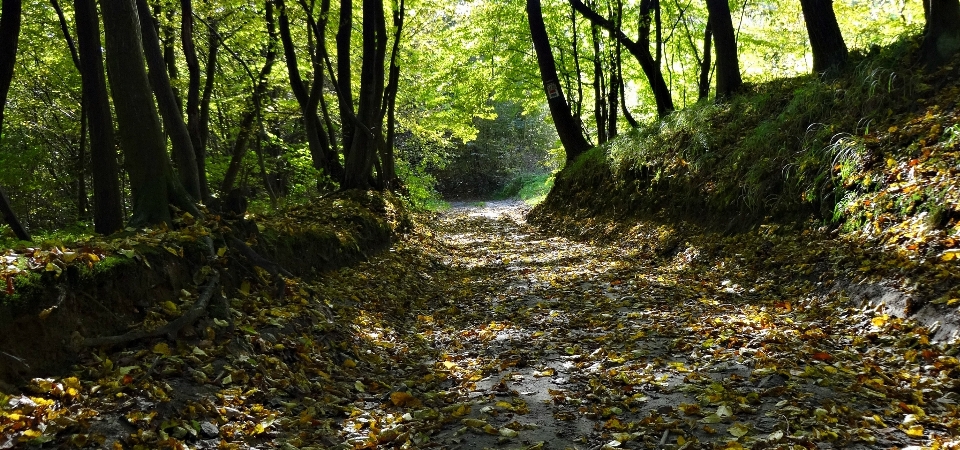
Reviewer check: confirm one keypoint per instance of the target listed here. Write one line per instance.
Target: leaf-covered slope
(865, 166)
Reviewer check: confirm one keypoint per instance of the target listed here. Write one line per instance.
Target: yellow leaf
(170, 307)
(69, 256)
(245, 287)
(548, 372)
(404, 399)
(880, 321)
(681, 440)
(221, 251)
(93, 258)
(475, 423)
(915, 431)
(349, 363)
(738, 429)
(449, 365)
(162, 349)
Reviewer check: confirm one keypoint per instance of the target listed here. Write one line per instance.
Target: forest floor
(481, 331)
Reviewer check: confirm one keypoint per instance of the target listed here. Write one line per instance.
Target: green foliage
(785, 148)
(532, 189)
(419, 187)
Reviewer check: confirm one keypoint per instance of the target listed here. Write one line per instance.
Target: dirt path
(481, 332)
(576, 346)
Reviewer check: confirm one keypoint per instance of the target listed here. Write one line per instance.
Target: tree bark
(183, 152)
(661, 92)
(725, 45)
(152, 182)
(387, 157)
(344, 77)
(193, 94)
(599, 87)
(80, 162)
(358, 164)
(308, 100)
(568, 129)
(703, 90)
(246, 123)
(941, 37)
(107, 202)
(826, 40)
(213, 48)
(10, 11)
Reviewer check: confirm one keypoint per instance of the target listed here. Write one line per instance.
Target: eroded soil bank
(485, 332)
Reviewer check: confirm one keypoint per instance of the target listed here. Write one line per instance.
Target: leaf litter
(483, 332)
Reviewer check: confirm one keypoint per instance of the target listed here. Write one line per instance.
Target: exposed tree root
(271, 267)
(171, 329)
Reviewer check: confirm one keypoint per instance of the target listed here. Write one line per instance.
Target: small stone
(209, 430)
(771, 381)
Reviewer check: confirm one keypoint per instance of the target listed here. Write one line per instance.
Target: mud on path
(559, 344)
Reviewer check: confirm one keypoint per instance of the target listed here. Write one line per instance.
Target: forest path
(478, 331)
(559, 344)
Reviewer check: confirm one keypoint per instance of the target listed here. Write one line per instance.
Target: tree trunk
(246, 123)
(360, 158)
(567, 127)
(193, 95)
(387, 157)
(941, 37)
(152, 182)
(599, 88)
(661, 92)
(725, 44)
(213, 47)
(705, 64)
(183, 153)
(107, 202)
(80, 163)
(9, 38)
(826, 41)
(308, 100)
(343, 81)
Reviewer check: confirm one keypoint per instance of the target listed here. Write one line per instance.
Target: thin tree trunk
(193, 94)
(389, 166)
(826, 40)
(705, 64)
(107, 201)
(10, 11)
(599, 91)
(183, 153)
(80, 166)
(725, 44)
(213, 48)
(363, 149)
(661, 92)
(308, 100)
(343, 79)
(568, 129)
(246, 123)
(577, 103)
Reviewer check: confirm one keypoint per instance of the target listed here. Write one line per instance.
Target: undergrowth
(789, 149)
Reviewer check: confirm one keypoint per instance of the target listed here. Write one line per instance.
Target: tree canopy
(280, 99)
